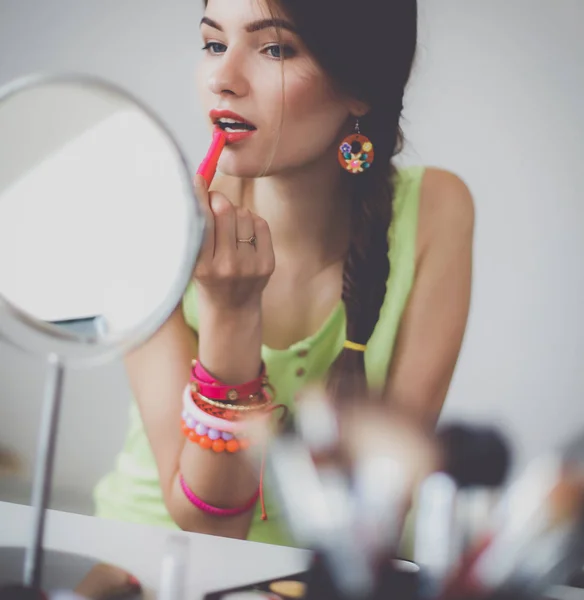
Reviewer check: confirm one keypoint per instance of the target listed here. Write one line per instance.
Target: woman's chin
(240, 167)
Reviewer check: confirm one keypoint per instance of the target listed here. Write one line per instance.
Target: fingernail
(134, 582)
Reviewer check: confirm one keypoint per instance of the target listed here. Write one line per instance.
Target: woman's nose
(228, 78)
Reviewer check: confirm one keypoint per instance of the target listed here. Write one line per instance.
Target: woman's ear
(358, 108)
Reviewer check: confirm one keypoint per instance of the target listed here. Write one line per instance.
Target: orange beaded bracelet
(219, 445)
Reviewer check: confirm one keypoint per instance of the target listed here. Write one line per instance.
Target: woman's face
(255, 76)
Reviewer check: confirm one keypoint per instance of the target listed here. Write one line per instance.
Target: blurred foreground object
(455, 502)
(346, 475)
(102, 582)
(10, 463)
(536, 534)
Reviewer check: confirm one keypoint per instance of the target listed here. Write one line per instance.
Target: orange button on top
(300, 372)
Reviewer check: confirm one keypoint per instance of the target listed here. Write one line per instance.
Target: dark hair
(367, 47)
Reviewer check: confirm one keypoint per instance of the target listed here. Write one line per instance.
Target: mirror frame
(35, 337)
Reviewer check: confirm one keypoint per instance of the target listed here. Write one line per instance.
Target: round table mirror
(99, 233)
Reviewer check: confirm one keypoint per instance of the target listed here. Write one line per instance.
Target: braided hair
(367, 48)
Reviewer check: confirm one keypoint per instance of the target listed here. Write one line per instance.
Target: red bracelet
(208, 386)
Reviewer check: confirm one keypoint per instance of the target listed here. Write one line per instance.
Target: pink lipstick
(235, 126)
(208, 167)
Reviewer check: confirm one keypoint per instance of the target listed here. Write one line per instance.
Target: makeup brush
(537, 537)
(472, 457)
(345, 500)
(385, 476)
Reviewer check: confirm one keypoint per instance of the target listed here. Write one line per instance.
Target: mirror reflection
(89, 186)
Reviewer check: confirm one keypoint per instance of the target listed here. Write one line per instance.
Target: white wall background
(496, 97)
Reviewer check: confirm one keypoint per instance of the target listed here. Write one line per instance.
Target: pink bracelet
(216, 390)
(231, 393)
(203, 375)
(213, 510)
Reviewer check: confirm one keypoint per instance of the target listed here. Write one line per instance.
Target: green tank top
(131, 492)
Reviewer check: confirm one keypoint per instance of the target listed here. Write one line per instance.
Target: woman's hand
(237, 257)
(233, 268)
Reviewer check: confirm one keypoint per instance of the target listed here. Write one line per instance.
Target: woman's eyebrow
(211, 23)
(269, 23)
(255, 25)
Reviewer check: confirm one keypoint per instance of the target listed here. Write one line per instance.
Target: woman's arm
(230, 279)
(434, 321)
(158, 372)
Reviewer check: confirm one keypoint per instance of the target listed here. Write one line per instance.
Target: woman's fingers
(232, 273)
(263, 244)
(225, 226)
(245, 231)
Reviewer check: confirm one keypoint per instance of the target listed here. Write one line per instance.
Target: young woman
(321, 260)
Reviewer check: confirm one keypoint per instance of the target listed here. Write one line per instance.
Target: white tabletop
(216, 563)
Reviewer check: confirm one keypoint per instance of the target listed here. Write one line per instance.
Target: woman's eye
(279, 51)
(214, 48)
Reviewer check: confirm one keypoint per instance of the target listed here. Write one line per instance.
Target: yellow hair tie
(354, 346)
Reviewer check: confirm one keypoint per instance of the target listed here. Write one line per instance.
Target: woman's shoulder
(446, 207)
(407, 184)
(446, 190)
(435, 189)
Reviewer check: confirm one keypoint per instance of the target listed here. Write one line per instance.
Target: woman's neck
(308, 212)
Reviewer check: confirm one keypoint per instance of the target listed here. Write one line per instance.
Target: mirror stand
(36, 566)
(43, 470)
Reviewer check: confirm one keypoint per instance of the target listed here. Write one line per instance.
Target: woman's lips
(236, 136)
(232, 137)
(216, 114)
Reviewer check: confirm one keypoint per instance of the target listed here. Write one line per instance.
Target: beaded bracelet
(191, 409)
(213, 439)
(202, 429)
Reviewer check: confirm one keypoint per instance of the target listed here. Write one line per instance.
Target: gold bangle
(238, 407)
(354, 346)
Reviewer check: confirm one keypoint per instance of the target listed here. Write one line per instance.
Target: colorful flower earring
(356, 152)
